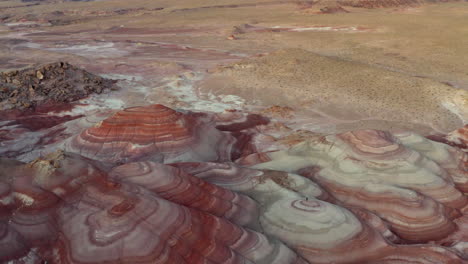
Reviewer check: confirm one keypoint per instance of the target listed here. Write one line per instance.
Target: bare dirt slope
(343, 89)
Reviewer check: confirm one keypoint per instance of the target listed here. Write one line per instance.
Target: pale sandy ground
(343, 90)
(392, 68)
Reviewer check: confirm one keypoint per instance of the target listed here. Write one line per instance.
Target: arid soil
(341, 89)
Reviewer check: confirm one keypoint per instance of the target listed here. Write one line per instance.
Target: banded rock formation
(155, 133)
(63, 209)
(417, 177)
(328, 233)
(363, 196)
(176, 185)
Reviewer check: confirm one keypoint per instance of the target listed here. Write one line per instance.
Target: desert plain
(147, 131)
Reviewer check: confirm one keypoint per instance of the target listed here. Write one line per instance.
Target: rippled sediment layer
(319, 201)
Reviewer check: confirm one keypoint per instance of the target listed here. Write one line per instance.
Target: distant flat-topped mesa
(343, 90)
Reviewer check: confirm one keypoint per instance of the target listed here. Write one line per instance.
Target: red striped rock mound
(179, 187)
(136, 227)
(155, 185)
(63, 209)
(328, 233)
(414, 184)
(155, 133)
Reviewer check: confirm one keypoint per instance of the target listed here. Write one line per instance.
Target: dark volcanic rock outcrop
(57, 82)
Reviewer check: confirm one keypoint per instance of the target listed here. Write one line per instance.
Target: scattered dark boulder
(51, 83)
